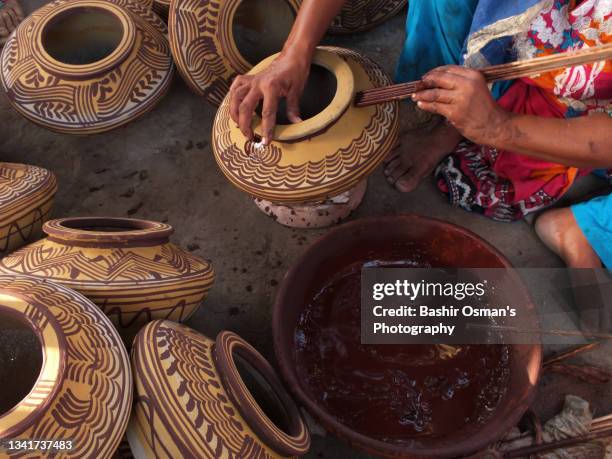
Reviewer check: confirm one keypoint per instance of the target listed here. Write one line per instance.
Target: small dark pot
(440, 244)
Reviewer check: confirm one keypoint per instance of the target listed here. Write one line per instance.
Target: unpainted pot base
(320, 215)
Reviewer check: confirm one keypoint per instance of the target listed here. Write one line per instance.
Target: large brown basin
(440, 244)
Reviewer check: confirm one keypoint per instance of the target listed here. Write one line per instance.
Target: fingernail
(419, 104)
(414, 96)
(265, 141)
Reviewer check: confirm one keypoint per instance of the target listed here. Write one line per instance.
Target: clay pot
(362, 15)
(127, 267)
(196, 397)
(65, 372)
(440, 244)
(320, 215)
(161, 8)
(26, 200)
(334, 149)
(86, 66)
(212, 42)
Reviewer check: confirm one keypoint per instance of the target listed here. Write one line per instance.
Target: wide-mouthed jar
(65, 374)
(86, 66)
(204, 398)
(127, 267)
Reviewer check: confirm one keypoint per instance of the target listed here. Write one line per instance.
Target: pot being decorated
(126, 266)
(362, 15)
(64, 372)
(26, 200)
(198, 397)
(87, 66)
(330, 153)
(394, 400)
(212, 42)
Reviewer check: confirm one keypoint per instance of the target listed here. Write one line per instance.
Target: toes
(4, 31)
(392, 165)
(12, 19)
(409, 181)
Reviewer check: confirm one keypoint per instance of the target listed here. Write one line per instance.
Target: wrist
(501, 128)
(299, 53)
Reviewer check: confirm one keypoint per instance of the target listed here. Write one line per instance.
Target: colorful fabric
(507, 186)
(594, 217)
(435, 36)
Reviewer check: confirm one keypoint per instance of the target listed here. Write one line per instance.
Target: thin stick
(528, 450)
(494, 73)
(571, 353)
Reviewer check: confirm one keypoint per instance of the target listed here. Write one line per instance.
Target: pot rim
(84, 71)
(136, 232)
(296, 442)
(345, 91)
(329, 422)
(51, 376)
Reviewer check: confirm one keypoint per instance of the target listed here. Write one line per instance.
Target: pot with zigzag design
(204, 398)
(362, 15)
(126, 266)
(317, 167)
(87, 66)
(26, 200)
(212, 42)
(65, 376)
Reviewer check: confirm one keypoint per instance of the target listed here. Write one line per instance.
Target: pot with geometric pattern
(126, 266)
(197, 397)
(362, 15)
(65, 374)
(26, 200)
(332, 151)
(87, 66)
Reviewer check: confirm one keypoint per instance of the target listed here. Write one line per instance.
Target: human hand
(461, 95)
(285, 77)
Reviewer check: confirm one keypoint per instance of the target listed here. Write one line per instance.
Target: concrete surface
(161, 167)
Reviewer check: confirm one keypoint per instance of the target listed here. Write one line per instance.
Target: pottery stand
(330, 153)
(212, 42)
(126, 266)
(26, 200)
(80, 387)
(196, 397)
(66, 75)
(318, 215)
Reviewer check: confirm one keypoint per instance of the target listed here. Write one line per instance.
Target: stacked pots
(309, 165)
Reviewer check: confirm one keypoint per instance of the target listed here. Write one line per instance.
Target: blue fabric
(435, 34)
(594, 218)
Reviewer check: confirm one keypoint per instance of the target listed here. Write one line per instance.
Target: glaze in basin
(439, 244)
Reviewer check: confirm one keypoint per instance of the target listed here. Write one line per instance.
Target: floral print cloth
(507, 186)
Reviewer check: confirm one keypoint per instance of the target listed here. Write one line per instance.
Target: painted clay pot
(435, 243)
(197, 397)
(65, 372)
(320, 215)
(126, 266)
(87, 66)
(362, 15)
(334, 149)
(212, 42)
(26, 200)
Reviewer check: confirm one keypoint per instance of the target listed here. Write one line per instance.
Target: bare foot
(11, 16)
(418, 154)
(558, 229)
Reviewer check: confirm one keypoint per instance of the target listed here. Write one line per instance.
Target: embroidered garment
(507, 186)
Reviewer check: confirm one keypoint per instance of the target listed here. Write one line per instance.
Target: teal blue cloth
(594, 218)
(436, 31)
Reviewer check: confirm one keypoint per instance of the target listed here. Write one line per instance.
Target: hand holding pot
(285, 77)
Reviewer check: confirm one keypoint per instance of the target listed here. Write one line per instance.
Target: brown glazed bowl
(440, 244)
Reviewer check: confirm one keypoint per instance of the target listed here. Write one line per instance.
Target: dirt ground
(161, 167)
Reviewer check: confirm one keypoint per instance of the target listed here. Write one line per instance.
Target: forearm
(310, 26)
(585, 141)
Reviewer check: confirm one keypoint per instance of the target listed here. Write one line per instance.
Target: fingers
(246, 110)
(268, 114)
(11, 19)
(444, 80)
(293, 106)
(238, 91)
(443, 96)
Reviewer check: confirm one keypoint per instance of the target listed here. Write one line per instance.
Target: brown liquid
(392, 392)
